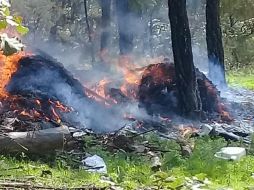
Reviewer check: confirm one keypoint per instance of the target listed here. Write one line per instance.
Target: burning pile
(26, 109)
(38, 92)
(154, 88)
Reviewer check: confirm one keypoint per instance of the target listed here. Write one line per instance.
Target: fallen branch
(35, 142)
(19, 185)
(27, 185)
(143, 133)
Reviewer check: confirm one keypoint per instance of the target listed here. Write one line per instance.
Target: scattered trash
(95, 164)
(231, 153)
(79, 134)
(205, 130)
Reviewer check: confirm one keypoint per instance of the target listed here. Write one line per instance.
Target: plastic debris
(231, 153)
(95, 164)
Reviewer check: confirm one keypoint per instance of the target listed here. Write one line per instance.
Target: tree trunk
(89, 32)
(124, 27)
(150, 31)
(105, 24)
(214, 42)
(188, 94)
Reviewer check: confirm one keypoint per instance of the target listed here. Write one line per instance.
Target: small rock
(156, 163)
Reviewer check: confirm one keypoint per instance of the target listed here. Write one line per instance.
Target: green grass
(16, 169)
(132, 171)
(242, 78)
(245, 81)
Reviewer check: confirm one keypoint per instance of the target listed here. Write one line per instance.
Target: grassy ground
(242, 78)
(132, 171)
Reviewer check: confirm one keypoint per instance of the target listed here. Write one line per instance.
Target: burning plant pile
(38, 93)
(154, 89)
(25, 110)
(37, 89)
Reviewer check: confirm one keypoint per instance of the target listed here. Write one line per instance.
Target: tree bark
(124, 27)
(89, 32)
(105, 24)
(188, 94)
(214, 42)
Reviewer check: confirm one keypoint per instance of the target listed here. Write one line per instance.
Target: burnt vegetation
(162, 89)
(126, 83)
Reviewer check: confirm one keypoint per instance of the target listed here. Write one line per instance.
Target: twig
(15, 168)
(20, 185)
(159, 150)
(119, 130)
(93, 168)
(98, 96)
(74, 160)
(136, 135)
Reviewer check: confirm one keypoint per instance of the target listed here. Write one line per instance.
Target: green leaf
(18, 19)
(3, 24)
(6, 11)
(22, 29)
(201, 176)
(177, 183)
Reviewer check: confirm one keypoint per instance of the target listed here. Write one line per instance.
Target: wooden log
(34, 142)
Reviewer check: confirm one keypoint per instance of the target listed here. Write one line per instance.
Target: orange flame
(100, 90)
(131, 70)
(8, 66)
(38, 102)
(25, 113)
(55, 115)
(62, 107)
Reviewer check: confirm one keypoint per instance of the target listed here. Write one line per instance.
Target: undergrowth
(132, 171)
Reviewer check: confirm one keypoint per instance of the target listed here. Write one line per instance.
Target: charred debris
(42, 96)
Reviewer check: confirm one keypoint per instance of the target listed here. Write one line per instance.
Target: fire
(100, 90)
(55, 116)
(38, 102)
(131, 71)
(25, 113)
(33, 114)
(58, 105)
(131, 82)
(36, 114)
(8, 66)
(62, 107)
(187, 130)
